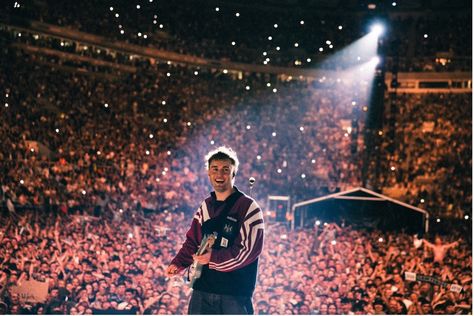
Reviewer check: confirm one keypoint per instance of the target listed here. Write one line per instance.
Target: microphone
(251, 183)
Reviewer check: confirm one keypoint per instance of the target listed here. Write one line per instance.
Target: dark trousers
(204, 303)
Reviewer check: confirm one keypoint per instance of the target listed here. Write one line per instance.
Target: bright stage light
(377, 29)
(375, 60)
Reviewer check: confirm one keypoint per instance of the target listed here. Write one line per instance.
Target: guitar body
(195, 270)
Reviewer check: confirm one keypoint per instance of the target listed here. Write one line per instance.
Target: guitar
(195, 270)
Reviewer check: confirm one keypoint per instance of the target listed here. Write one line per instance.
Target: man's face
(221, 175)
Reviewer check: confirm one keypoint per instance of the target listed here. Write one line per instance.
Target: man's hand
(203, 259)
(172, 270)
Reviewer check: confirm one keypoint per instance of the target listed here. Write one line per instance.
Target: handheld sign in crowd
(31, 291)
(411, 276)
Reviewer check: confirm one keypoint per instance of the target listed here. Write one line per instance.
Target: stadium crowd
(138, 141)
(294, 38)
(85, 152)
(92, 267)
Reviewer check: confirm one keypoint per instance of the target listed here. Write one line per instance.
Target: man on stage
(229, 268)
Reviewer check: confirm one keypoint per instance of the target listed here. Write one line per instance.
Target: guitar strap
(218, 223)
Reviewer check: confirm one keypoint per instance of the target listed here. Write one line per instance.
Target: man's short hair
(222, 153)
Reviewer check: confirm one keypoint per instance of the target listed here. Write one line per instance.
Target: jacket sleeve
(184, 258)
(247, 245)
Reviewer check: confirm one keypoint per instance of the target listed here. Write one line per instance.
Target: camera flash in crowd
(247, 88)
(259, 157)
(98, 152)
(106, 105)
(279, 170)
(422, 201)
(120, 210)
(466, 217)
(83, 192)
(248, 127)
(283, 236)
(380, 239)
(150, 136)
(22, 182)
(325, 224)
(169, 153)
(270, 38)
(278, 48)
(237, 14)
(303, 176)
(147, 152)
(274, 134)
(275, 25)
(217, 9)
(438, 220)
(301, 22)
(392, 168)
(130, 235)
(6, 104)
(333, 242)
(212, 142)
(318, 223)
(138, 7)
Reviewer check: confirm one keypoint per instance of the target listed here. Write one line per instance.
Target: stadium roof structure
(362, 206)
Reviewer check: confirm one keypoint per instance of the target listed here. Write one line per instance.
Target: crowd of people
(138, 141)
(92, 267)
(297, 37)
(431, 147)
(83, 153)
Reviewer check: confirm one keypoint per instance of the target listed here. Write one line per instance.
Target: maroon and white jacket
(232, 269)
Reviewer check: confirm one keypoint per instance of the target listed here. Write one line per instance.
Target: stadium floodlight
(375, 60)
(377, 29)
